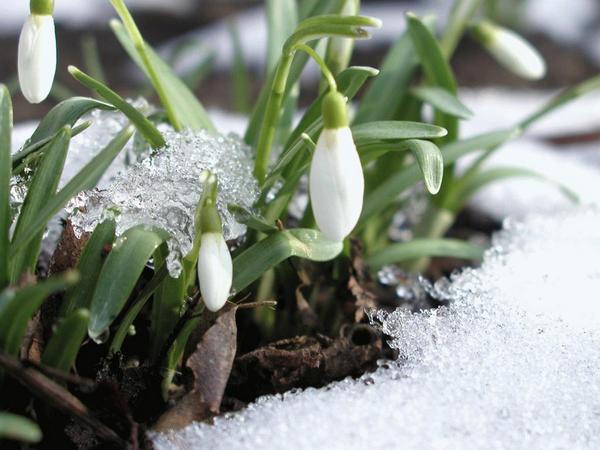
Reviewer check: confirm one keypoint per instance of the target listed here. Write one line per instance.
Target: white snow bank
(512, 363)
(574, 166)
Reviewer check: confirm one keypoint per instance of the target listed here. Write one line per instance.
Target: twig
(67, 377)
(54, 394)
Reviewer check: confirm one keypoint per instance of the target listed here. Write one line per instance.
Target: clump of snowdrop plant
(37, 52)
(120, 292)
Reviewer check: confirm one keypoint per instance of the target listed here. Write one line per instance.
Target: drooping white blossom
(215, 270)
(512, 51)
(336, 183)
(37, 57)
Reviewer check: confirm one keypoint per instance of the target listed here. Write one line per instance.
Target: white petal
(336, 184)
(37, 57)
(516, 54)
(215, 271)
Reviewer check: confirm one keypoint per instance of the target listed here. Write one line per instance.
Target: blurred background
(195, 36)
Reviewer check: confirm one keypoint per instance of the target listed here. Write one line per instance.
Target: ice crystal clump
(163, 190)
(511, 363)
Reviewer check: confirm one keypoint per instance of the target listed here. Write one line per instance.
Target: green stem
(320, 62)
(41, 7)
(434, 225)
(462, 12)
(140, 45)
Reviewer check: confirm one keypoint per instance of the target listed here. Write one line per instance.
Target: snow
(512, 363)
(163, 190)
(574, 166)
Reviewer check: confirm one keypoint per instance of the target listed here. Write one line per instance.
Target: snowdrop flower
(37, 52)
(511, 50)
(215, 268)
(336, 180)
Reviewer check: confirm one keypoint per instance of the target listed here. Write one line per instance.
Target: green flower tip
(335, 114)
(41, 7)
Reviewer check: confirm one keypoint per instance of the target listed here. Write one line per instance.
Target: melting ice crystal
(163, 190)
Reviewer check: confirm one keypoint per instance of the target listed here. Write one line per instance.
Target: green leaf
(65, 113)
(434, 64)
(64, 344)
(425, 248)
(43, 186)
(188, 113)
(396, 74)
(17, 307)
(388, 191)
(90, 265)
(144, 126)
(239, 73)
(168, 301)
(6, 122)
(251, 220)
(31, 151)
(442, 100)
(18, 428)
(86, 178)
(468, 186)
(137, 306)
(395, 130)
(282, 16)
(300, 242)
(119, 275)
(430, 161)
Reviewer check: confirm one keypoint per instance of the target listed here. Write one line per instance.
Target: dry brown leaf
(211, 364)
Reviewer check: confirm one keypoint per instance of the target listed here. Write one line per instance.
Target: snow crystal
(163, 190)
(511, 363)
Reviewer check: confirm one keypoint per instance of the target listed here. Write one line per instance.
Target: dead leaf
(358, 281)
(211, 364)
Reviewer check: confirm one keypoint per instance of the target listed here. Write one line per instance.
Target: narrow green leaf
(388, 191)
(468, 186)
(251, 220)
(396, 74)
(303, 243)
(395, 130)
(64, 344)
(425, 248)
(119, 275)
(188, 113)
(282, 16)
(239, 73)
(65, 113)
(442, 100)
(430, 161)
(137, 306)
(18, 306)
(86, 178)
(6, 122)
(562, 99)
(167, 304)
(144, 126)
(43, 186)
(18, 428)
(32, 151)
(434, 64)
(90, 265)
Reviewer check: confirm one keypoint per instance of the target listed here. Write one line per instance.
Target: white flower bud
(511, 50)
(215, 270)
(336, 183)
(37, 57)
